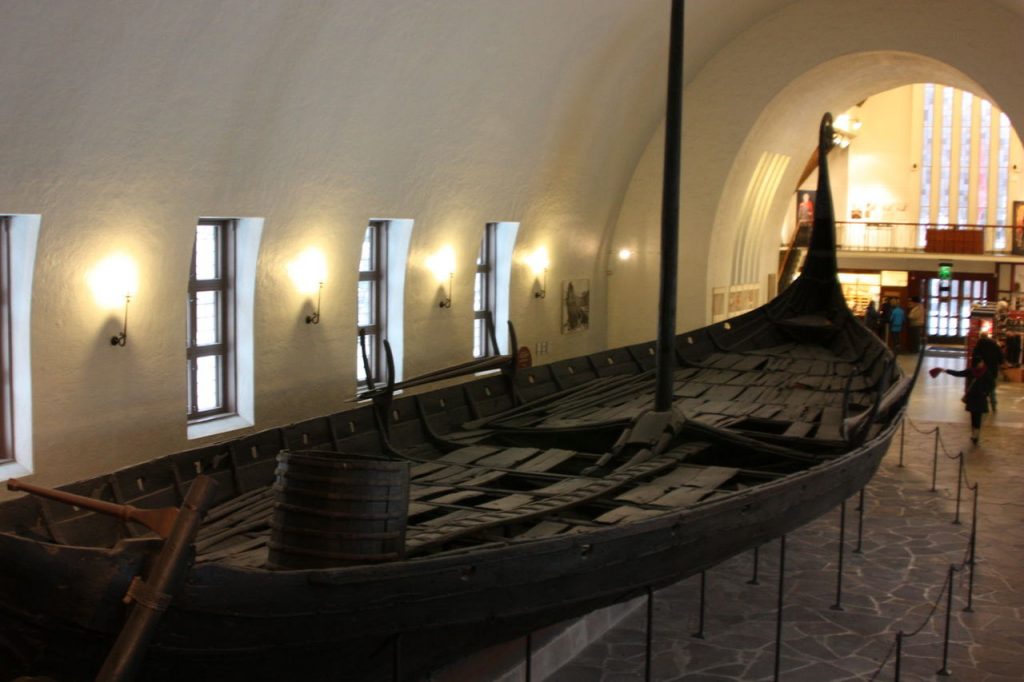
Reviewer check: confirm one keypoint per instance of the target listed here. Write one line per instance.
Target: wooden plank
(723, 392)
(420, 491)
(469, 455)
(454, 497)
(547, 460)
(508, 458)
(766, 411)
(626, 513)
(798, 430)
(562, 487)
(682, 497)
(749, 363)
(709, 477)
(831, 424)
(544, 529)
(508, 503)
(691, 390)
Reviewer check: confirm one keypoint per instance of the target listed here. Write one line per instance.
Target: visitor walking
(975, 398)
(987, 350)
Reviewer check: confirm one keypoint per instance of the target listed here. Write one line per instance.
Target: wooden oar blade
(160, 521)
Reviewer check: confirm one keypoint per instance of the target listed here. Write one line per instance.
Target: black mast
(670, 215)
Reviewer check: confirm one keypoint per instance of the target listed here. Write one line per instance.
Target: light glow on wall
(442, 263)
(538, 260)
(112, 279)
(308, 271)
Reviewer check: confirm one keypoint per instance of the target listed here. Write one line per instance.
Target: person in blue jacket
(897, 317)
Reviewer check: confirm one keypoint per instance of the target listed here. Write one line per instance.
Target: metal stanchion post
(396, 659)
(650, 634)
(899, 654)
(778, 620)
(860, 524)
(700, 624)
(903, 428)
(529, 657)
(838, 606)
(974, 545)
(944, 670)
(959, 486)
(753, 579)
(935, 460)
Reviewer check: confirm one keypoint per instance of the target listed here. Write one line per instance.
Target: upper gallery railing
(864, 235)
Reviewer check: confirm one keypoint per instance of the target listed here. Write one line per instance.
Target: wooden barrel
(334, 509)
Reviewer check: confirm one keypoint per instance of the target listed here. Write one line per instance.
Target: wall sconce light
(122, 338)
(625, 254)
(309, 272)
(538, 262)
(442, 264)
(315, 317)
(113, 280)
(446, 302)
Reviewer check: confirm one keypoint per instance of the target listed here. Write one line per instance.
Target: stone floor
(896, 583)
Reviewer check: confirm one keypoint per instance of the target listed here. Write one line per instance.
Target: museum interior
(222, 218)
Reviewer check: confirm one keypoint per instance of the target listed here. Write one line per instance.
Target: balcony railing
(888, 237)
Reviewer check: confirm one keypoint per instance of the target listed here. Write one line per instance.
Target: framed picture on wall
(575, 305)
(805, 199)
(1018, 228)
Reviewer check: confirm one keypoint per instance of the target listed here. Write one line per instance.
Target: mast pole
(670, 215)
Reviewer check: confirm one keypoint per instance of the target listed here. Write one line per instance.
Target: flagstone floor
(898, 581)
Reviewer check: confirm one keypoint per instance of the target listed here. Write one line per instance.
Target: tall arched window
(965, 162)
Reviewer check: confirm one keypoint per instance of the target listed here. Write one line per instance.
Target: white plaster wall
(765, 92)
(124, 122)
(880, 169)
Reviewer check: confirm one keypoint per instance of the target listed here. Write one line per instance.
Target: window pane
(206, 252)
(479, 329)
(208, 383)
(366, 256)
(364, 306)
(207, 317)
(478, 292)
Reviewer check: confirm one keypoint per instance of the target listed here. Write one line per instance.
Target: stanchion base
(944, 672)
(837, 607)
(968, 609)
(753, 582)
(698, 635)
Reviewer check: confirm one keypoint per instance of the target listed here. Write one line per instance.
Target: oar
(160, 521)
(150, 597)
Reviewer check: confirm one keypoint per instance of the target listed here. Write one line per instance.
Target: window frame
(7, 450)
(377, 232)
(224, 285)
(486, 266)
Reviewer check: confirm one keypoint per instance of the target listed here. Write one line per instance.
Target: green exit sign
(945, 271)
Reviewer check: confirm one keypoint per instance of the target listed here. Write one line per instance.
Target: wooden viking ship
(385, 540)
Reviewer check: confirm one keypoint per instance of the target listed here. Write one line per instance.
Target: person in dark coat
(883, 319)
(975, 396)
(988, 350)
(871, 317)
